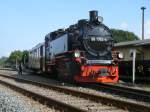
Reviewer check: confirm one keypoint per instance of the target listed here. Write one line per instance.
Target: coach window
(35, 53)
(38, 53)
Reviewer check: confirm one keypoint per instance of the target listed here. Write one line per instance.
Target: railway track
(138, 94)
(8, 69)
(78, 101)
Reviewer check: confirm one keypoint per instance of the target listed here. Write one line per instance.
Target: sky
(24, 23)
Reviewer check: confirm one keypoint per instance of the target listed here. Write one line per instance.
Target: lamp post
(133, 57)
(143, 8)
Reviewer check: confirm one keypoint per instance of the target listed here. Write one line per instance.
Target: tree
(15, 56)
(25, 55)
(122, 36)
(3, 60)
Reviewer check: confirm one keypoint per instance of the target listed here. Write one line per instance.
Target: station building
(142, 48)
(142, 64)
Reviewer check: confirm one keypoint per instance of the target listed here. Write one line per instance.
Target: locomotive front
(97, 38)
(97, 42)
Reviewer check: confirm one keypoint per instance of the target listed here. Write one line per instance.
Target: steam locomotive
(81, 53)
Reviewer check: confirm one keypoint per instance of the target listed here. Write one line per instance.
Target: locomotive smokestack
(93, 15)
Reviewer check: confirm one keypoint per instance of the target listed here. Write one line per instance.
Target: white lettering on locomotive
(99, 39)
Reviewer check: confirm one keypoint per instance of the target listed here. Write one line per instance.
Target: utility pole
(143, 8)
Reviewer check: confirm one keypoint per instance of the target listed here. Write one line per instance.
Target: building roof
(133, 43)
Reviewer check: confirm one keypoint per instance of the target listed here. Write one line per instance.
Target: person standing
(20, 68)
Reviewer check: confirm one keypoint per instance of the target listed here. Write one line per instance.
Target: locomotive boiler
(81, 53)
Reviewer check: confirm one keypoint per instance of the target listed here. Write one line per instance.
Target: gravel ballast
(87, 90)
(67, 85)
(11, 101)
(82, 103)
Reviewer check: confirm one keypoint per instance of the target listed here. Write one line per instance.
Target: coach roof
(37, 46)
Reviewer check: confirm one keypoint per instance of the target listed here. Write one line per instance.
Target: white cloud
(124, 26)
(147, 29)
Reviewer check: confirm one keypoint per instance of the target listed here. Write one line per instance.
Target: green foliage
(25, 55)
(3, 60)
(18, 56)
(15, 55)
(122, 36)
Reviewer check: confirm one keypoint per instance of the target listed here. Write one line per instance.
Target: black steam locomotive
(81, 53)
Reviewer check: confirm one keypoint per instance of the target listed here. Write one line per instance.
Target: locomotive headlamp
(76, 54)
(120, 55)
(100, 19)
